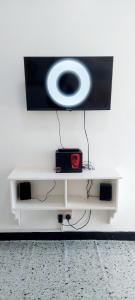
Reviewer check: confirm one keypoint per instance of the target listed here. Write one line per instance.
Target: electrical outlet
(64, 213)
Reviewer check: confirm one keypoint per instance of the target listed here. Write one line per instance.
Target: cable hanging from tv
(59, 124)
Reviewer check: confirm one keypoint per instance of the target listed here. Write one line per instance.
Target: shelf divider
(65, 192)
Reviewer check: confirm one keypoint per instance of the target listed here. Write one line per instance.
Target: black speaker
(105, 191)
(24, 190)
(68, 160)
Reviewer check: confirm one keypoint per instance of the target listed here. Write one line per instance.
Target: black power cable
(85, 131)
(77, 220)
(59, 128)
(83, 225)
(46, 196)
(89, 187)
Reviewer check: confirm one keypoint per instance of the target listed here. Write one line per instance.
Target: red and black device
(68, 160)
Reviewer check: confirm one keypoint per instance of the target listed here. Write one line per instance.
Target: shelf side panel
(13, 193)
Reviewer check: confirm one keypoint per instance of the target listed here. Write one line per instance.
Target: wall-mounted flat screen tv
(68, 83)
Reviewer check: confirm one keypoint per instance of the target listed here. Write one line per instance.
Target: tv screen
(68, 83)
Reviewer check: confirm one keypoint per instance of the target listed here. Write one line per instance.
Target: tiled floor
(93, 270)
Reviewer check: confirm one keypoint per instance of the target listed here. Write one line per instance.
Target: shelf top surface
(42, 174)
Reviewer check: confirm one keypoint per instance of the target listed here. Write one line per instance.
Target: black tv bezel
(58, 108)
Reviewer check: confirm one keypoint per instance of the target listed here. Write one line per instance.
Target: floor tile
(61, 270)
(118, 267)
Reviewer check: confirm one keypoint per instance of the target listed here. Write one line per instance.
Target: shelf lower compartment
(55, 202)
(78, 202)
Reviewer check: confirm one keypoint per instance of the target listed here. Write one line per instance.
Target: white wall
(73, 27)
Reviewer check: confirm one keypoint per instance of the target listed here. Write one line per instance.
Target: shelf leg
(111, 215)
(17, 215)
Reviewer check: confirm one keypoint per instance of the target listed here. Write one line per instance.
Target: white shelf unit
(69, 192)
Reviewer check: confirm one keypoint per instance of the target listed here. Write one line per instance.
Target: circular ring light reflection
(56, 71)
